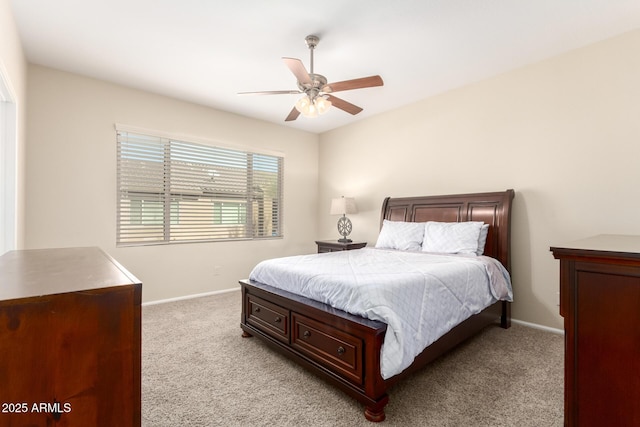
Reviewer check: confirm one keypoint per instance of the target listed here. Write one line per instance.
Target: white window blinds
(176, 191)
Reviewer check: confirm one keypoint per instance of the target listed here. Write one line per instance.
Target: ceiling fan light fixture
(311, 108)
(303, 103)
(322, 104)
(306, 107)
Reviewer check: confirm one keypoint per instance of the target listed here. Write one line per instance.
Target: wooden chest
(70, 336)
(600, 303)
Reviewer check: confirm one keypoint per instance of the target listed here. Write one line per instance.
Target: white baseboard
(536, 326)
(206, 294)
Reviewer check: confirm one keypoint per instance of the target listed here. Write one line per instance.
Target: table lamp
(343, 206)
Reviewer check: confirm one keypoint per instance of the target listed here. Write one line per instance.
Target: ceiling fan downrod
(312, 42)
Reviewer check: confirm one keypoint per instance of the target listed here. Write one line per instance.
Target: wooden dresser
(600, 303)
(69, 339)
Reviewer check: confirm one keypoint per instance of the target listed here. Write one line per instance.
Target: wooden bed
(345, 349)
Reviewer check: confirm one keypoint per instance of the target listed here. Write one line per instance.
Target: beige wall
(564, 133)
(13, 67)
(71, 179)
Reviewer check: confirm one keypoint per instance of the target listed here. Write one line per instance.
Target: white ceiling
(205, 51)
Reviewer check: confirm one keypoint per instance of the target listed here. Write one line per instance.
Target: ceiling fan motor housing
(318, 81)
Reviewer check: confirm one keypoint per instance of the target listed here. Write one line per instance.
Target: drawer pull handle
(306, 334)
(257, 310)
(341, 350)
(278, 319)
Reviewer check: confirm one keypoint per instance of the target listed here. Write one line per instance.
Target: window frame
(190, 180)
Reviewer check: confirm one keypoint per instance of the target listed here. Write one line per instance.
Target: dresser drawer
(339, 351)
(269, 318)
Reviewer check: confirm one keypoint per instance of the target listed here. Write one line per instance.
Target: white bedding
(420, 296)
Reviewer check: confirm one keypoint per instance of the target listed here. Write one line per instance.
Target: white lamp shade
(343, 205)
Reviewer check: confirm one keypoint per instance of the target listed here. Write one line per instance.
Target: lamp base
(344, 228)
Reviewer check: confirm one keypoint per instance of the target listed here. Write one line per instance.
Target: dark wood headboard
(491, 208)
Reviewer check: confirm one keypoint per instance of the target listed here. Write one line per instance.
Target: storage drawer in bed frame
(269, 318)
(335, 345)
(328, 345)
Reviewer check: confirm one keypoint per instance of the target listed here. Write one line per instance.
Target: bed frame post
(375, 413)
(505, 318)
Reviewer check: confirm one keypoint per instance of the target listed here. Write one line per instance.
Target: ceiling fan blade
(292, 115)
(360, 83)
(271, 92)
(298, 70)
(344, 105)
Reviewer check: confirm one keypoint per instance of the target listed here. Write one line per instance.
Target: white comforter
(420, 296)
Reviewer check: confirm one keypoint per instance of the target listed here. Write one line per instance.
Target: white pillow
(452, 237)
(482, 240)
(404, 236)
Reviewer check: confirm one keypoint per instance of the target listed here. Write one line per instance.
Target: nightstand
(334, 246)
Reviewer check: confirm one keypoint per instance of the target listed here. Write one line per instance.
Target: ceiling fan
(318, 93)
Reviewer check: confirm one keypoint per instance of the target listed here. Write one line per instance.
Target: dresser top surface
(32, 273)
(619, 244)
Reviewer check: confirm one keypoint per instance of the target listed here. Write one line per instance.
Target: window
(176, 191)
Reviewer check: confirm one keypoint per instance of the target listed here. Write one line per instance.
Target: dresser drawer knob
(306, 334)
(341, 350)
(257, 310)
(278, 319)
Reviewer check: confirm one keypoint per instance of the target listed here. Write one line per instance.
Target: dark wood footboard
(341, 348)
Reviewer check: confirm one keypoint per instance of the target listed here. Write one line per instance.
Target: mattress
(419, 295)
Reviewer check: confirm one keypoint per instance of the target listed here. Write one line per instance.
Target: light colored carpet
(198, 371)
